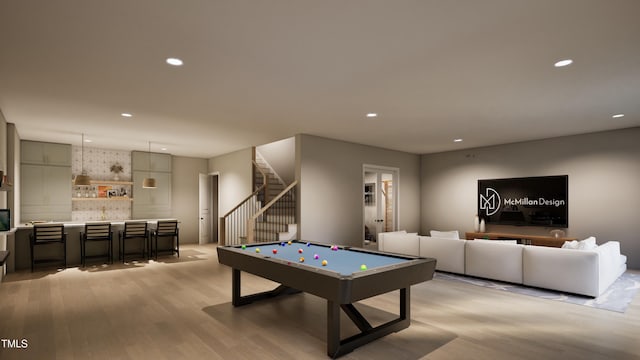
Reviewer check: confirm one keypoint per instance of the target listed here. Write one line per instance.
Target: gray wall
(330, 174)
(185, 195)
(234, 178)
(281, 155)
(604, 184)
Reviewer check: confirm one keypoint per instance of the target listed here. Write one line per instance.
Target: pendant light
(83, 179)
(149, 182)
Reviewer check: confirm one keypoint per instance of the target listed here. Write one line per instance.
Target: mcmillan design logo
(490, 201)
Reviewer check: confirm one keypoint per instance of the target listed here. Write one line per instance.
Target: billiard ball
(289, 243)
(243, 247)
(282, 243)
(258, 250)
(308, 244)
(363, 267)
(275, 251)
(299, 251)
(316, 256)
(301, 259)
(324, 262)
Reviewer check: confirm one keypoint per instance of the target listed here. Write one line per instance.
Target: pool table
(342, 281)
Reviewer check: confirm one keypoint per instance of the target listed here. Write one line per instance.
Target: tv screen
(5, 220)
(529, 201)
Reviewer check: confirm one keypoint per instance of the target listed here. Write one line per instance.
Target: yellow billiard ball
(258, 250)
(324, 262)
(301, 259)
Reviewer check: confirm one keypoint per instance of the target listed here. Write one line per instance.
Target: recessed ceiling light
(617, 116)
(174, 61)
(457, 140)
(88, 140)
(372, 115)
(164, 149)
(563, 63)
(126, 115)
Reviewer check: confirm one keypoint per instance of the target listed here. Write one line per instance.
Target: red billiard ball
(299, 251)
(275, 251)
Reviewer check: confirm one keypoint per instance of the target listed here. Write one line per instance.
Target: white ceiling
(259, 71)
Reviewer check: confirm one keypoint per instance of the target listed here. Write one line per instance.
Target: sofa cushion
(453, 234)
(494, 260)
(449, 253)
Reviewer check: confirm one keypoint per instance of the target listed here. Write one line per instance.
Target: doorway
(208, 209)
(380, 186)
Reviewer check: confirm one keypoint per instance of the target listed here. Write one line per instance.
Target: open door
(380, 188)
(207, 209)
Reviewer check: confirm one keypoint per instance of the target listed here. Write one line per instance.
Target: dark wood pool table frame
(340, 291)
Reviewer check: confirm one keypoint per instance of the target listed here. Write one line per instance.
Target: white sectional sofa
(586, 272)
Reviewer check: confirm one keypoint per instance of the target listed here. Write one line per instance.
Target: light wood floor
(180, 309)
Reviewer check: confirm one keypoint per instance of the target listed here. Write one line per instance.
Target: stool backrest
(98, 230)
(48, 232)
(167, 227)
(135, 229)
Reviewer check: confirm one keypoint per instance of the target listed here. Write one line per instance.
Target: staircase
(268, 214)
(278, 223)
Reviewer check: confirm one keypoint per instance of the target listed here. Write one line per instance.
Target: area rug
(616, 298)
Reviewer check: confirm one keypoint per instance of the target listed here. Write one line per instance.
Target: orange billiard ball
(301, 259)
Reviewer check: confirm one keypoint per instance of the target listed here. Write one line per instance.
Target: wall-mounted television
(5, 219)
(527, 201)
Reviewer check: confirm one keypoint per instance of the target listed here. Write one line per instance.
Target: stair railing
(273, 217)
(233, 225)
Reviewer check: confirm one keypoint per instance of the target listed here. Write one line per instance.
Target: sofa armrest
(399, 243)
(611, 263)
(382, 237)
(574, 271)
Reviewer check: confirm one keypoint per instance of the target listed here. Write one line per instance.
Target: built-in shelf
(113, 198)
(111, 182)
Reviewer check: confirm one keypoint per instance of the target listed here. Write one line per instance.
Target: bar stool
(166, 229)
(93, 233)
(47, 235)
(133, 230)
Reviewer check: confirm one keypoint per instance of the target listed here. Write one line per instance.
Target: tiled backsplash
(97, 164)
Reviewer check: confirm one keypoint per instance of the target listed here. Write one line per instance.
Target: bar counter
(20, 254)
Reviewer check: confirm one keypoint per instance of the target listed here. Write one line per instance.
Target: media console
(539, 240)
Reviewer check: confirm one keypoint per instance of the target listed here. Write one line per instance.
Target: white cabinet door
(45, 192)
(36, 152)
(150, 162)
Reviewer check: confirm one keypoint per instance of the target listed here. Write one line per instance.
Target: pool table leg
(337, 347)
(239, 300)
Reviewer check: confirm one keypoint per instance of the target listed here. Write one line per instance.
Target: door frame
(395, 172)
(212, 200)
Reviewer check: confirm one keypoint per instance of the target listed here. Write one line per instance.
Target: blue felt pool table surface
(346, 262)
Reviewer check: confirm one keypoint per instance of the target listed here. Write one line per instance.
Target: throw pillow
(587, 244)
(445, 234)
(570, 244)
